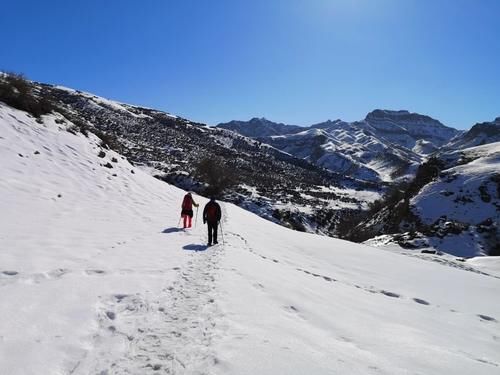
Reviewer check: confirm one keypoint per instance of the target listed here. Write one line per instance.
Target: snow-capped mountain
(479, 134)
(349, 148)
(96, 278)
(386, 145)
(260, 127)
(405, 128)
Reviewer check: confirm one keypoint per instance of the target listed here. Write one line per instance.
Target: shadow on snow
(172, 230)
(195, 247)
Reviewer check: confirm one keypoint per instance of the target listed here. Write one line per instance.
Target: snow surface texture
(96, 278)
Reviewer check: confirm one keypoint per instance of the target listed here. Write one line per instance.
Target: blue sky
(293, 61)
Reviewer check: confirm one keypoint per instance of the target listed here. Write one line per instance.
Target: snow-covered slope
(456, 209)
(96, 278)
(467, 191)
(466, 198)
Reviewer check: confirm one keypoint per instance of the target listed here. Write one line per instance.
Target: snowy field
(96, 278)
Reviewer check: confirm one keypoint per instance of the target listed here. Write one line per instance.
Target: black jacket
(212, 212)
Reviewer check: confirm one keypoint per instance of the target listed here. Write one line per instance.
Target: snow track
(365, 288)
(169, 333)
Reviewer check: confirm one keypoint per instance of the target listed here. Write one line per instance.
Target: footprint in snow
(421, 301)
(95, 272)
(487, 318)
(10, 273)
(485, 361)
(119, 297)
(390, 294)
(55, 274)
(258, 286)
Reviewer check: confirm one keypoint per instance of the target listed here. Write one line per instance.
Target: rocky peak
(401, 116)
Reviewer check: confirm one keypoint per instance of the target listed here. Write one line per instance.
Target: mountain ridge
(385, 145)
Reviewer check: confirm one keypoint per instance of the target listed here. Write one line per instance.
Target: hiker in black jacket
(211, 216)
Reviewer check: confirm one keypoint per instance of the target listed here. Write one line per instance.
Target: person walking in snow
(212, 216)
(187, 209)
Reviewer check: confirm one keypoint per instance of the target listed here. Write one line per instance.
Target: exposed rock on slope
(278, 186)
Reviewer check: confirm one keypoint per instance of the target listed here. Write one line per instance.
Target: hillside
(277, 185)
(99, 280)
(457, 211)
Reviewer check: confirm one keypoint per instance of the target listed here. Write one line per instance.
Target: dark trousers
(212, 231)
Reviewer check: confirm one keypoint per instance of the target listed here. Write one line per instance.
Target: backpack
(187, 203)
(212, 212)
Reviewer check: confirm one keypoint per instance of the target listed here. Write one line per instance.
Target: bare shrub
(16, 91)
(216, 174)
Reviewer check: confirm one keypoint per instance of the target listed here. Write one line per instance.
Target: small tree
(218, 175)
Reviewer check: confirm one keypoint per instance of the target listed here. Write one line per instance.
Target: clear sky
(292, 61)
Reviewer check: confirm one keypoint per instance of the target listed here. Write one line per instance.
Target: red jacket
(188, 202)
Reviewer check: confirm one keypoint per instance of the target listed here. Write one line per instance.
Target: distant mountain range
(385, 146)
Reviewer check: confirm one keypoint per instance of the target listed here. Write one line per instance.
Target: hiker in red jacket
(187, 209)
(211, 216)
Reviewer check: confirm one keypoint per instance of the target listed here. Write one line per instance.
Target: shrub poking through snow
(18, 92)
(216, 174)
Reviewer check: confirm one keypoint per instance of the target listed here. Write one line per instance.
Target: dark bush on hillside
(290, 219)
(17, 92)
(217, 175)
(78, 127)
(425, 174)
(109, 140)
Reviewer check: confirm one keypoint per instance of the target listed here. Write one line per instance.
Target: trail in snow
(170, 332)
(366, 288)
